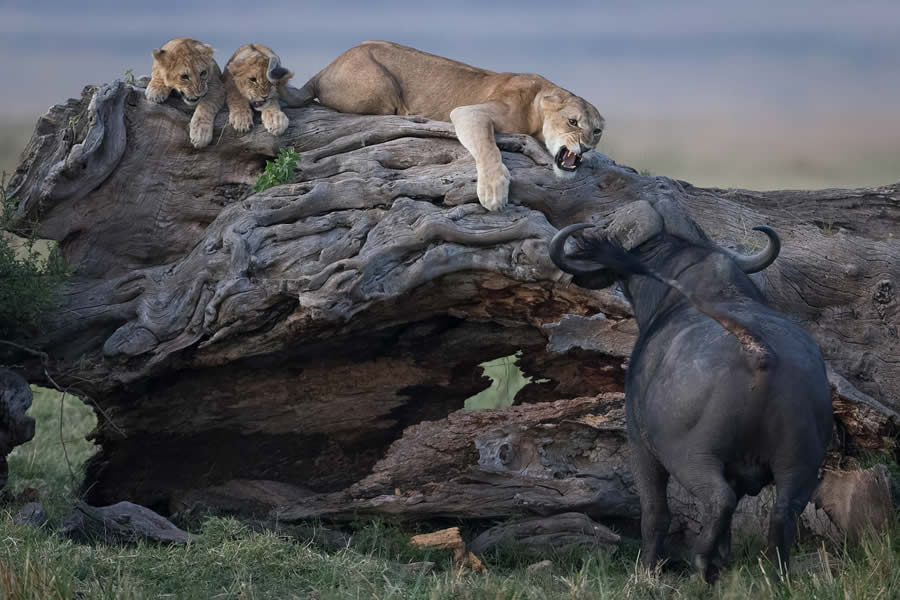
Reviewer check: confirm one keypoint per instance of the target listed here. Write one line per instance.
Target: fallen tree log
(321, 337)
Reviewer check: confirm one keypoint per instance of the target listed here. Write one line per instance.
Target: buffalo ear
(595, 281)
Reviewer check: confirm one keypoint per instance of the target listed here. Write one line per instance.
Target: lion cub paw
(241, 120)
(156, 94)
(276, 121)
(201, 133)
(493, 187)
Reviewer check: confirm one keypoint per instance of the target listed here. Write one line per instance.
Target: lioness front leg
(201, 128)
(475, 130)
(274, 119)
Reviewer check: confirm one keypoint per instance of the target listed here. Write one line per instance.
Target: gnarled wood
(325, 334)
(122, 522)
(562, 532)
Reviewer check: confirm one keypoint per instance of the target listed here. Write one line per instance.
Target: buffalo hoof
(708, 570)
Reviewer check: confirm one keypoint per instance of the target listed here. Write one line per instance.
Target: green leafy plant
(279, 171)
(129, 77)
(31, 273)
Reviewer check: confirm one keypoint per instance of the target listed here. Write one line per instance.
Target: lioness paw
(493, 187)
(241, 120)
(156, 94)
(201, 133)
(276, 122)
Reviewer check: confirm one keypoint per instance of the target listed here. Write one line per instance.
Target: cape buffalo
(722, 392)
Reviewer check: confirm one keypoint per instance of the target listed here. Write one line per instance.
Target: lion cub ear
(275, 72)
(205, 49)
(158, 54)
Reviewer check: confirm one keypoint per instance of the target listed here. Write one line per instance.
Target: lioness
(384, 78)
(187, 66)
(253, 77)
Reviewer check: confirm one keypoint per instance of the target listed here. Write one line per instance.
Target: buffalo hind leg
(792, 493)
(706, 482)
(651, 479)
(722, 559)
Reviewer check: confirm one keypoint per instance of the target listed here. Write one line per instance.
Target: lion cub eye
(597, 131)
(253, 79)
(573, 122)
(185, 76)
(202, 73)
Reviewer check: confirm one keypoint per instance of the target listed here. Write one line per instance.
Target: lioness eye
(573, 122)
(185, 76)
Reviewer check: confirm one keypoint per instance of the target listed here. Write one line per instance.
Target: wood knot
(884, 292)
(851, 270)
(504, 453)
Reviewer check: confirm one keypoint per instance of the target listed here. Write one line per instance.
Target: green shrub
(31, 274)
(279, 171)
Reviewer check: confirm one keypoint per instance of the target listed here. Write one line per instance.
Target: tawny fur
(187, 66)
(248, 87)
(386, 78)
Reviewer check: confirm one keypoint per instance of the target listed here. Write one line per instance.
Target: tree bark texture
(320, 338)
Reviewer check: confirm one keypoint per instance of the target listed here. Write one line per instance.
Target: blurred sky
(690, 87)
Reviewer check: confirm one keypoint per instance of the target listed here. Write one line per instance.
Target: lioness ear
(552, 101)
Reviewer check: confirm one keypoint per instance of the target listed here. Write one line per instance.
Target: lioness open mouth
(568, 161)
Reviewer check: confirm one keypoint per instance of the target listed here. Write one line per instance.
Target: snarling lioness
(253, 77)
(384, 78)
(187, 66)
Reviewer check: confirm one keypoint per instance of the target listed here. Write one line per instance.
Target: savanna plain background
(762, 94)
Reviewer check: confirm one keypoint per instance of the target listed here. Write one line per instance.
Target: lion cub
(187, 66)
(253, 80)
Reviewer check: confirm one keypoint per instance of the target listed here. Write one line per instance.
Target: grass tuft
(279, 171)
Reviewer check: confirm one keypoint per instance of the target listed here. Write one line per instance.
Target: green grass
(229, 560)
(279, 171)
(41, 463)
(506, 381)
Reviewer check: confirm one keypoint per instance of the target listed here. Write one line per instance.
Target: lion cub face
(185, 66)
(571, 127)
(257, 73)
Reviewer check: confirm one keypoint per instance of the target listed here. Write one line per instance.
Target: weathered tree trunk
(313, 344)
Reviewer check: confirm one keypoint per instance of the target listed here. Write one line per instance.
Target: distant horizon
(709, 84)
